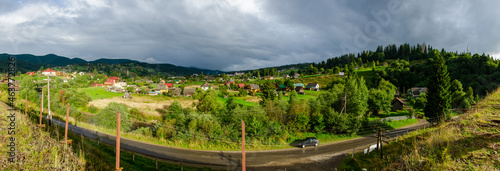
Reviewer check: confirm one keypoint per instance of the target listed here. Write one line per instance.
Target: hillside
(471, 142)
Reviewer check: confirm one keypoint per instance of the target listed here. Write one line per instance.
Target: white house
(313, 86)
(49, 72)
(120, 84)
(205, 86)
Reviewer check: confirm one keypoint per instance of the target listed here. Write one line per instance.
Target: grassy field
(470, 143)
(99, 93)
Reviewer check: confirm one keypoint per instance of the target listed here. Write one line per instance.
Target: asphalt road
(232, 159)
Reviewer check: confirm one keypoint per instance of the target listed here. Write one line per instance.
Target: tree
(107, 116)
(438, 96)
(379, 100)
(268, 91)
(223, 91)
(289, 85)
(207, 102)
(356, 96)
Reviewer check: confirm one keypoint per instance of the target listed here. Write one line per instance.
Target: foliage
(438, 98)
(107, 116)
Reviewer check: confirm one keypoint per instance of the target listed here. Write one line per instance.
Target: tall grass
(470, 143)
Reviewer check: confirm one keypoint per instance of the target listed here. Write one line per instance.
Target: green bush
(107, 116)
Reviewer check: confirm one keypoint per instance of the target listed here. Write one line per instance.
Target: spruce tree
(438, 96)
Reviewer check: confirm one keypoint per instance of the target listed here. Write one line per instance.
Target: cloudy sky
(241, 34)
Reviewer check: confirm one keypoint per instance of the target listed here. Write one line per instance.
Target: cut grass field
(470, 143)
(99, 93)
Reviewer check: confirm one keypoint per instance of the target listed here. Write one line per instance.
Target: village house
(206, 86)
(175, 91)
(162, 82)
(254, 88)
(296, 75)
(416, 92)
(228, 83)
(313, 86)
(300, 90)
(169, 85)
(162, 88)
(397, 104)
(30, 73)
(49, 72)
(188, 92)
(120, 84)
(241, 85)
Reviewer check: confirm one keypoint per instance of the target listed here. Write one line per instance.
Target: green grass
(238, 100)
(99, 93)
(311, 76)
(400, 123)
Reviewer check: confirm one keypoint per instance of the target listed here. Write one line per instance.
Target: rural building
(313, 86)
(175, 91)
(241, 85)
(416, 92)
(254, 88)
(205, 86)
(300, 90)
(296, 75)
(49, 72)
(299, 85)
(228, 83)
(162, 88)
(162, 81)
(30, 73)
(397, 104)
(169, 85)
(120, 84)
(188, 92)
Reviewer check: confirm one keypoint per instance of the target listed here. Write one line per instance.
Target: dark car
(309, 141)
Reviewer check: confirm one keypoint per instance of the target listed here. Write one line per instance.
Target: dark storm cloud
(244, 34)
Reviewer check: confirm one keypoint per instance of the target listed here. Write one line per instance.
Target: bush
(107, 116)
(144, 131)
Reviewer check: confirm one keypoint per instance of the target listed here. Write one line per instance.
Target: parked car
(309, 141)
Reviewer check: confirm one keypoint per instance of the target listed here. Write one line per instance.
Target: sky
(232, 35)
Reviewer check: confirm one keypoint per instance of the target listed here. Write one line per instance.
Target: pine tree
(438, 96)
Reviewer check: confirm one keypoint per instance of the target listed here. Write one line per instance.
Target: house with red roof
(49, 72)
(30, 73)
(169, 85)
(241, 85)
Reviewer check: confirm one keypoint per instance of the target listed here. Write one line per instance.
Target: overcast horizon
(241, 34)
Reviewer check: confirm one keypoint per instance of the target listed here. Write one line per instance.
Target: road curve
(233, 158)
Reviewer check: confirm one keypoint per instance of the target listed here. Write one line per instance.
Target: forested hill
(28, 62)
(409, 66)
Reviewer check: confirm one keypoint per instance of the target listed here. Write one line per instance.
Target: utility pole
(379, 136)
(243, 157)
(345, 103)
(49, 118)
(118, 119)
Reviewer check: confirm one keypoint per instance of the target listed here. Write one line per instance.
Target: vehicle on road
(309, 141)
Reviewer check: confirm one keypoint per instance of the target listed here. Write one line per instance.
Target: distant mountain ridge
(29, 62)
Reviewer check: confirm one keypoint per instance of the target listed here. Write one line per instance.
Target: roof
(189, 91)
(397, 100)
(169, 84)
(114, 78)
(299, 88)
(176, 91)
(254, 86)
(241, 85)
(49, 70)
(299, 84)
(312, 85)
(205, 85)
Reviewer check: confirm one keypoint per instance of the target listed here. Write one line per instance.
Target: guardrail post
(156, 161)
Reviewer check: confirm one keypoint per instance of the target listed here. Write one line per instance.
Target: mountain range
(29, 62)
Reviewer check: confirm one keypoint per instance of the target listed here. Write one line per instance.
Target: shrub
(107, 116)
